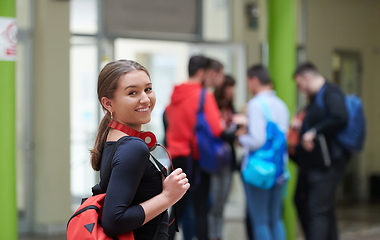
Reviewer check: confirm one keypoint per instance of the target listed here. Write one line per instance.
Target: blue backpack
(214, 153)
(266, 165)
(352, 136)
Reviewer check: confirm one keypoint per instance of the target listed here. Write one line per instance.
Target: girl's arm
(174, 187)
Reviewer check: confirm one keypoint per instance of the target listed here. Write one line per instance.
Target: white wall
(252, 38)
(216, 20)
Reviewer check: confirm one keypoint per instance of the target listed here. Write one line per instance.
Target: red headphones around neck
(148, 137)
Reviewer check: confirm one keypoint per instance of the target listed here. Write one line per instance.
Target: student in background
(181, 141)
(321, 160)
(264, 205)
(221, 180)
(214, 76)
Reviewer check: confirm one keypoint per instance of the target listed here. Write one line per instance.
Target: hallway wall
(243, 33)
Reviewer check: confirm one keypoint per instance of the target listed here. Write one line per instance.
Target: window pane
(84, 16)
(84, 108)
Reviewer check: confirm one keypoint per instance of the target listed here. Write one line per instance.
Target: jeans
(197, 195)
(188, 222)
(265, 212)
(315, 201)
(220, 188)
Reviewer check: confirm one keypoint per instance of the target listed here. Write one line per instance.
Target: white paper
(8, 39)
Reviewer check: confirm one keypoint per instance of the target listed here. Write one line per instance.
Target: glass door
(347, 74)
(84, 115)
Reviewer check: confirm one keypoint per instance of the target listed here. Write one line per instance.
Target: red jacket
(181, 119)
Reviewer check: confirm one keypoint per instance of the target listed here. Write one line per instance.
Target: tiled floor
(359, 221)
(356, 221)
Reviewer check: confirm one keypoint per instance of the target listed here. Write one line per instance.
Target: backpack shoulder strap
(158, 165)
(106, 173)
(319, 97)
(201, 102)
(164, 172)
(265, 108)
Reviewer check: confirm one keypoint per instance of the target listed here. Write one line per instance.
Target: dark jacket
(327, 120)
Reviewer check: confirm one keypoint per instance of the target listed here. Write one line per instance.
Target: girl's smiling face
(133, 101)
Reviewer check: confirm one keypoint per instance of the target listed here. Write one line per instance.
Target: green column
(8, 207)
(282, 62)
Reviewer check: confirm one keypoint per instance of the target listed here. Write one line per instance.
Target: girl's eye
(132, 93)
(148, 89)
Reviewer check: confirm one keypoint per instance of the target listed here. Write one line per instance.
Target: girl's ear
(107, 104)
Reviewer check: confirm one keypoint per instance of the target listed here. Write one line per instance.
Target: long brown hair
(107, 84)
(219, 93)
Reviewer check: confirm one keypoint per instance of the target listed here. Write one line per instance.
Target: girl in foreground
(137, 195)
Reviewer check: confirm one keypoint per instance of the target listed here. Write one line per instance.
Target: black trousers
(315, 200)
(198, 195)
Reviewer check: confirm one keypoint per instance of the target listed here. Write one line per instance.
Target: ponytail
(101, 137)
